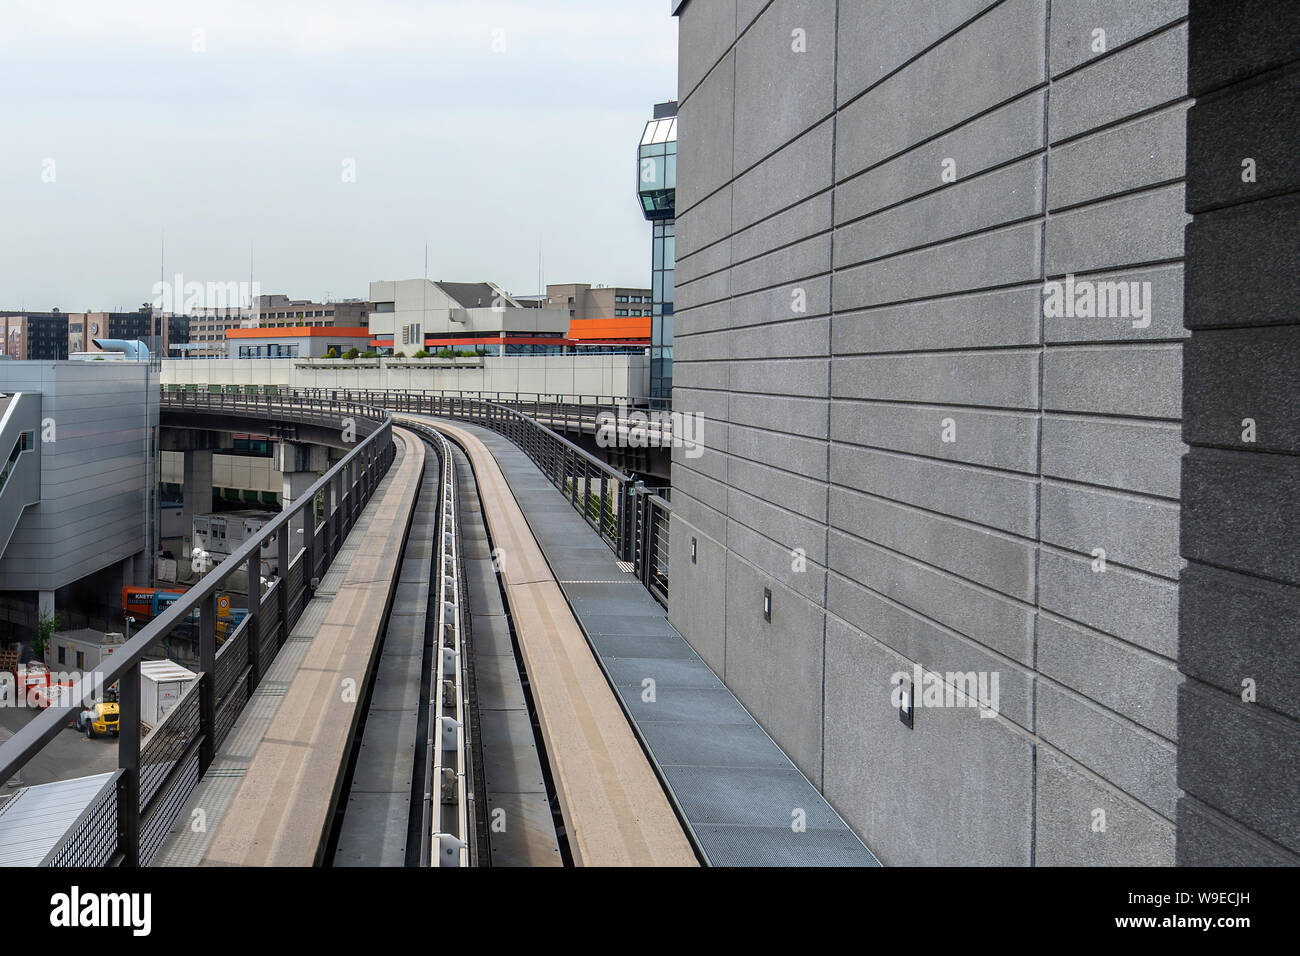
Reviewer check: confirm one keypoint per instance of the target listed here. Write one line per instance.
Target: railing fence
(128, 820)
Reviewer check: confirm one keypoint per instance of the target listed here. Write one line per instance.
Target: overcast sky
(241, 143)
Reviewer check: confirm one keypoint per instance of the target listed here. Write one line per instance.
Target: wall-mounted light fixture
(693, 550)
(767, 605)
(905, 702)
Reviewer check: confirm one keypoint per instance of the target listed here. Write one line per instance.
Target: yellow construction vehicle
(99, 718)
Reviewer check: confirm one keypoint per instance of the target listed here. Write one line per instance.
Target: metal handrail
(279, 401)
(629, 517)
(653, 519)
(350, 483)
(500, 397)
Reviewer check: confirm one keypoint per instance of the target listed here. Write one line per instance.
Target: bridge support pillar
(296, 484)
(197, 492)
(300, 465)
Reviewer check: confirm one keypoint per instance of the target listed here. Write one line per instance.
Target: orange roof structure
(620, 329)
(300, 331)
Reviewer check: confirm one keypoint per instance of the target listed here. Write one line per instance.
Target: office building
(603, 318)
(35, 335)
(413, 315)
(76, 505)
(303, 341)
(144, 325)
(586, 302)
(208, 327)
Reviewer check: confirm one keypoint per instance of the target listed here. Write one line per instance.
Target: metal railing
(602, 495)
(612, 502)
(127, 822)
(304, 407)
(652, 520)
(567, 412)
(627, 515)
(502, 398)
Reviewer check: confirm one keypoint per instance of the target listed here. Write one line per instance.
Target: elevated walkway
(741, 797)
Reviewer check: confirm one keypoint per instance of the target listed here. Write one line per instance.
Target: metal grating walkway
(740, 795)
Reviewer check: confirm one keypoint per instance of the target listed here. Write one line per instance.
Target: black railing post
(208, 687)
(128, 761)
(627, 523)
(349, 493)
(639, 534)
(253, 623)
(309, 543)
(571, 472)
(336, 516)
(282, 546)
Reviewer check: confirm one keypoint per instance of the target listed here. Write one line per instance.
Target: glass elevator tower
(657, 191)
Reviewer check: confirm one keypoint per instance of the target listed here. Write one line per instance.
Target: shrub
(46, 625)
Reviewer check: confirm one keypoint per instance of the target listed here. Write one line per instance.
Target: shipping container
(221, 535)
(162, 684)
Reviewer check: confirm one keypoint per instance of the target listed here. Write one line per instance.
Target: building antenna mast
(161, 329)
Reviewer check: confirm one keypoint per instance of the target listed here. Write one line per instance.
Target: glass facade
(268, 351)
(661, 320)
(657, 192)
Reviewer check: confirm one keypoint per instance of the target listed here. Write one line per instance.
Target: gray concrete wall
(1239, 710)
(839, 302)
(95, 473)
